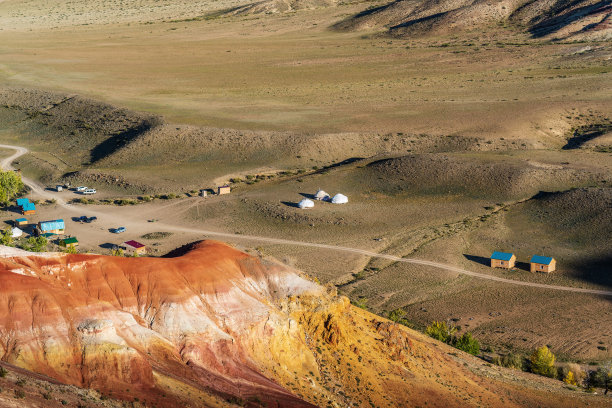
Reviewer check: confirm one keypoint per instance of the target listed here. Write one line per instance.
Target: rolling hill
(585, 19)
(212, 326)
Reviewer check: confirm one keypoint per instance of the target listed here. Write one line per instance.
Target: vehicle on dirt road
(81, 188)
(118, 230)
(89, 191)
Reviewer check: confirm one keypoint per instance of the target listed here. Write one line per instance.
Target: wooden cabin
(70, 242)
(542, 264)
(132, 248)
(223, 190)
(54, 227)
(503, 260)
(28, 209)
(21, 222)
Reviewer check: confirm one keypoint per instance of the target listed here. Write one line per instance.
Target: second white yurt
(16, 232)
(321, 196)
(306, 203)
(339, 199)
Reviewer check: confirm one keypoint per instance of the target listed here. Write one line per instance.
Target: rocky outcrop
(213, 326)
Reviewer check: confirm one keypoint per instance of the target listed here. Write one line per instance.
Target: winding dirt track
(36, 188)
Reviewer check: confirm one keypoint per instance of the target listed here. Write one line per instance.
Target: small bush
(440, 331)
(467, 343)
(20, 382)
(19, 394)
(3, 372)
(543, 362)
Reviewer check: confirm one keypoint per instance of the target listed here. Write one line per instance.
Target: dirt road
(134, 223)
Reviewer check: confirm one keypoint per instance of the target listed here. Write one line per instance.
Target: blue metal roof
(502, 256)
(51, 225)
(21, 220)
(28, 207)
(545, 260)
(22, 201)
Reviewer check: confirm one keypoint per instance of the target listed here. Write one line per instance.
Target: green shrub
(467, 343)
(3, 372)
(512, 360)
(36, 244)
(440, 331)
(10, 186)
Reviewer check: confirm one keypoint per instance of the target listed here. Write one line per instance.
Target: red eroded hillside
(213, 326)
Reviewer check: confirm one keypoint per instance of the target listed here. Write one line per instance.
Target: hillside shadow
(478, 259)
(116, 142)
(418, 20)
(558, 21)
(597, 270)
(585, 134)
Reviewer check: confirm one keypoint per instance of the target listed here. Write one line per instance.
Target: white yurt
(340, 199)
(306, 203)
(16, 232)
(321, 195)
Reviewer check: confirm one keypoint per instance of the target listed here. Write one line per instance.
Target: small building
(54, 227)
(542, 264)
(306, 203)
(134, 248)
(321, 196)
(59, 188)
(223, 190)
(203, 193)
(502, 260)
(16, 232)
(28, 209)
(70, 242)
(20, 222)
(22, 201)
(339, 199)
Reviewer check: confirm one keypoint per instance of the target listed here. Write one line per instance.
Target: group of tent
(323, 196)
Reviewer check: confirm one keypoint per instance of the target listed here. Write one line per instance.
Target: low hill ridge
(213, 326)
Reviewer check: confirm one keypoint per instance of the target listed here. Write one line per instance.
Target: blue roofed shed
(21, 221)
(28, 208)
(541, 263)
(51, 227)
(22, 201)
(502, 260)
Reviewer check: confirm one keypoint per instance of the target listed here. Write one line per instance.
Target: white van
(90, 191)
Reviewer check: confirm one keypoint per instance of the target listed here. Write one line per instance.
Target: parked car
(81, 188)
(118, 230)
(92, 219)
(89, 191)
(82, 218)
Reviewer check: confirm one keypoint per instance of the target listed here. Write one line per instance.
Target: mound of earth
(83, 129)
(584, 19)
(95, 143)
(470, 176)
(274, 6)
(215, 327)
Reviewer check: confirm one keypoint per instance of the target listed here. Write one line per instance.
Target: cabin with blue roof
(22, 201)
(542, 264)
(503, 260)
(51, 227)
(28, 208)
